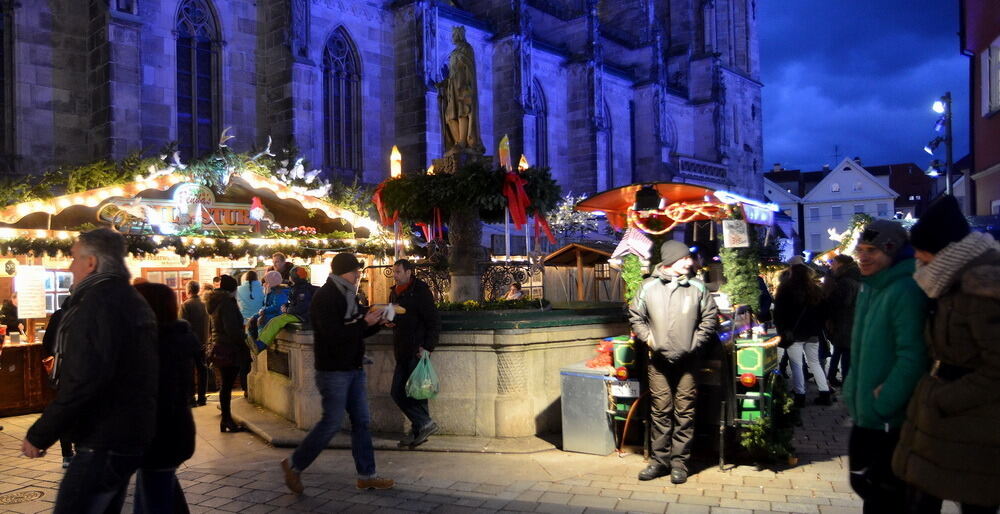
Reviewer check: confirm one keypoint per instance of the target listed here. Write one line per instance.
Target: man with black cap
(340, 325)
(948, 444)
(675, 316)
(888, 358)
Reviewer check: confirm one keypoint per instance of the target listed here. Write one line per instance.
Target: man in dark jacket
(340, 325)
(676, 317)
(106, 366)
(194, 312)
(841, 289)
(414, 331)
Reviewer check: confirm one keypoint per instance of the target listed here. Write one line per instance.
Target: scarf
(70, 311)
(401, 288)
(350, 292)
(938, 276)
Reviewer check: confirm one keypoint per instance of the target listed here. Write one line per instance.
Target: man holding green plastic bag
(415, 326)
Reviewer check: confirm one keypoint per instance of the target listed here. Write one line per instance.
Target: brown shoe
(292, 478)
(375, 483)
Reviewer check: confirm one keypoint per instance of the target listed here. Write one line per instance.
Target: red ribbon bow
(517, 199)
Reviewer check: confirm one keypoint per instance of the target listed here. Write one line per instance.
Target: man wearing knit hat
(675, 316)
(888, 357)
(947, 445)
(340, 324)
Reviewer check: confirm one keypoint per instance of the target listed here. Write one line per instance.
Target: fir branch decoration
(740, 266)
(474, 185)
(632, 275)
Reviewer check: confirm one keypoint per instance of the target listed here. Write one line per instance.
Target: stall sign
(8, 268)
(734, 234)
(194, 202)
(626, 389)
(758, 215)
(30, 286)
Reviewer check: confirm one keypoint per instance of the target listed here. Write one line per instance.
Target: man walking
(194, 312)
(888, 357)
(106, 366)
(339, 328)
(676, 317)
(413, 332)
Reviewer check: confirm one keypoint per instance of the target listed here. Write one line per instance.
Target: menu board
(30, 286)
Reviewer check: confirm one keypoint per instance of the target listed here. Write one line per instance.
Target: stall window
(175, 279)
(602, 271)
(57, 284)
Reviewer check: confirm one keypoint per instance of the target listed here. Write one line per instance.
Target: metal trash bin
(586, 423)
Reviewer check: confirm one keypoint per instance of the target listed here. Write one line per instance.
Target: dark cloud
(858, 74)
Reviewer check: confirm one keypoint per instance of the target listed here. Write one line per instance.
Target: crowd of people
(129, 363)
(906, 330)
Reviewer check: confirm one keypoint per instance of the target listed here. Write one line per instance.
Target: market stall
(225, 214)
(736, 380)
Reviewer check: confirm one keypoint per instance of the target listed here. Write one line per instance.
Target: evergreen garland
(632, 275)
(140, 246)
(740, 266)
(474, 185)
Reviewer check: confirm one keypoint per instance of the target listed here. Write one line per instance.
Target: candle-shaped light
(430, 169)
(395, 163)
(522, 164)
(504, 153)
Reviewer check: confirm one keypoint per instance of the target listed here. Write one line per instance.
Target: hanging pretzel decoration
(677, 213)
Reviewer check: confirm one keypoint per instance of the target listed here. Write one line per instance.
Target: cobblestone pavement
(240, 473)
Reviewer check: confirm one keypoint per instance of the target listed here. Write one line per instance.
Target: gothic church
(605, 92)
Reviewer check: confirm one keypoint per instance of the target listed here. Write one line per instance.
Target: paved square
(240, 473)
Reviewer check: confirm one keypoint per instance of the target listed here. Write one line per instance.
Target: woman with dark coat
(841, 290)
(157, 489)
(950, 441)
(228, 350)
(798, 311)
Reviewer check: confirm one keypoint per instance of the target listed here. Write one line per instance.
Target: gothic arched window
(342, 105)
(198, 44)
(541, 125)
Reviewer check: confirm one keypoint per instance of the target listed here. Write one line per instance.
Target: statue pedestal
(451, 163)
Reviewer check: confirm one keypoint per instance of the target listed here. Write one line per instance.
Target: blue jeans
(340, 390)
(95, 481)
(415, 410)
(158, 491)
(841, 356)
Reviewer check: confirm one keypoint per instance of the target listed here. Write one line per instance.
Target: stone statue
(458, 99)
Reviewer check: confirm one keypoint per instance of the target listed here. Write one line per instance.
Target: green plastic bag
(423, 382)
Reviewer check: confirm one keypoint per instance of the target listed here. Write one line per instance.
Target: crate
(755, 357)
(753, 408)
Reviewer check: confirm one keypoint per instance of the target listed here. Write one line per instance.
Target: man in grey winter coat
(676, 317)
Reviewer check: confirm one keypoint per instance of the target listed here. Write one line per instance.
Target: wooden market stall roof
(265, 187)
(591, 252)
(580, 255)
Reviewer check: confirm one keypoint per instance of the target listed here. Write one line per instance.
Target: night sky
(861, 74)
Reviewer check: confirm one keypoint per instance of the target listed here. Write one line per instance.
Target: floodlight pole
(946, 100)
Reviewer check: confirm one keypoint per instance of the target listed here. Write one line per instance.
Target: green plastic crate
(755, 357)
(751, 409)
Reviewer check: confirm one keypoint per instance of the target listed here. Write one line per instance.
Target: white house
(848, 189)
(788, 204)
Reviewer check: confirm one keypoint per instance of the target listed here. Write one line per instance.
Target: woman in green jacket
(888, 359)
(950, 442)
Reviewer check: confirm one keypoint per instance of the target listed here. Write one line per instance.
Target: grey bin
(586, 426)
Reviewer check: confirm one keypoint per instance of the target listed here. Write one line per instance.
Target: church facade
(605, 93)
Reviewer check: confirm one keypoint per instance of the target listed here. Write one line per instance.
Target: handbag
(788, 335)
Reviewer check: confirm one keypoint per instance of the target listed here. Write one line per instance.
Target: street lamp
(942, 106)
